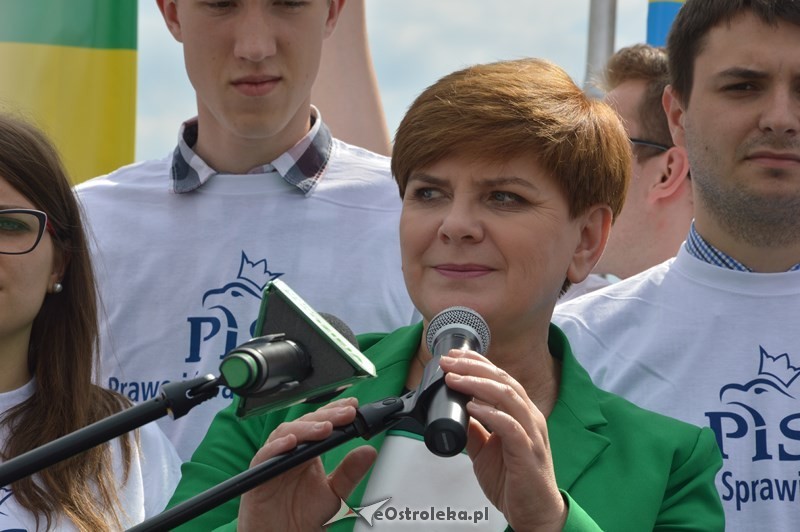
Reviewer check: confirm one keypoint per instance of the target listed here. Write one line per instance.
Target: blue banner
(660, 15)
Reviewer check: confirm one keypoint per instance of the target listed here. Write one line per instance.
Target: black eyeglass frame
(649, 144)
(43, 224)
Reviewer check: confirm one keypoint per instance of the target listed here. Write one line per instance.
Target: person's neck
(533, 366)
(760, 259)
(654, 242)
(623, 267)
(231, 154)
(636, 261)
(14, 363)
(624, 255)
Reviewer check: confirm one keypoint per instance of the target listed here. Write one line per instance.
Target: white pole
(602, 27)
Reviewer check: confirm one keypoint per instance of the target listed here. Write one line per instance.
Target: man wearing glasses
(711, 336)
(658, 207)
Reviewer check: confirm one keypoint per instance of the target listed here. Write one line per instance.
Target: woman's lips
(463, 271)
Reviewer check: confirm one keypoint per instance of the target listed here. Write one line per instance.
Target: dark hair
(696, 18)
(62, 352)
(509, 109)
(643, 62)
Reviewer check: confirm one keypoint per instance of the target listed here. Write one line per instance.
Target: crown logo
(779, 367)
(255, 273)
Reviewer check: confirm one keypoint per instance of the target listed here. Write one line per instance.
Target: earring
(57, 288)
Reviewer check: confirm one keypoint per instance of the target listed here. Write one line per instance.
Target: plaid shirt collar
(697, 247)
(301, 166)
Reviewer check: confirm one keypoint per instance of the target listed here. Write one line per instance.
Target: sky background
(413, 43)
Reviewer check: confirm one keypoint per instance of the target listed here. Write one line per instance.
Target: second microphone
(446, 411)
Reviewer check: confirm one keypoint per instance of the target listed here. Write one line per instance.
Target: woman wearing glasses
(48, 344)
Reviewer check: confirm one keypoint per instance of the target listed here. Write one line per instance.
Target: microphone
(341, 327)
(297, 356)
(265, 363)
(446, 412)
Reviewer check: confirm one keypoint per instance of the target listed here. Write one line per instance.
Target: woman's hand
(508, 443)
(304, 498)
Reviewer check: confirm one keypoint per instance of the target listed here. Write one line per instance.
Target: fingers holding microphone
(497, 396)
(305, 497)
(507, 442)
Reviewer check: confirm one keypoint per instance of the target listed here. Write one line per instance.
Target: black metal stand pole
(176, 398)
(370, 420)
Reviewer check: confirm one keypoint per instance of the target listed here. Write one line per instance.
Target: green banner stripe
(106, 24)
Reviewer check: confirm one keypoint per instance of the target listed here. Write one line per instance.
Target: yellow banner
(83, 98)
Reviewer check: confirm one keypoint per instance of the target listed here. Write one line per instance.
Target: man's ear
(334, 10)
(674, 171)
(675, 115)
(169, 10)
(595, 228)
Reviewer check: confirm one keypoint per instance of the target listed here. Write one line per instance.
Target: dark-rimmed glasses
(21, 230)
(649, 144)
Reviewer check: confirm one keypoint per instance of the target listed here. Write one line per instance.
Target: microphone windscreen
(453, 317)
(335, 359)
(342, 327)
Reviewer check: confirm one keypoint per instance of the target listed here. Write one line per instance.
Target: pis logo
(763, 410)
(232, 310)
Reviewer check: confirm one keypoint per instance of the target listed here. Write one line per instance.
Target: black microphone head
(341, 327)
(459, 317)
(445, 409)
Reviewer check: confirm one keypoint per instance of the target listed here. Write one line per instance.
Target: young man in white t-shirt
(711, 337)
(256, 189)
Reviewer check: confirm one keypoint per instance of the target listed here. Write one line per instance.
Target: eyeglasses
(649, 144)
(21, 230)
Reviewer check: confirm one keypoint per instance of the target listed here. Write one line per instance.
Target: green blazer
(619, 466)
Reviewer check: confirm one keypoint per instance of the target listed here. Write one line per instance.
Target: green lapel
(573, 443)
(391, 355)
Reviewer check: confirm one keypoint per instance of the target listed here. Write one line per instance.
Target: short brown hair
(696, 18)
(643, 62)
(508, 109)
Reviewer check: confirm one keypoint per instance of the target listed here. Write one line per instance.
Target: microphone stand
(370, 420)
(175, 398)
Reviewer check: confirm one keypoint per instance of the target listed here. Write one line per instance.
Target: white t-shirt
(154, 472)
(594, 281)
(714, 347)
(181, 275)
(424, 491)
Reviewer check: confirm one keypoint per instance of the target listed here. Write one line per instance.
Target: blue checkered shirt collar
(697, 247)
(301, 166)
